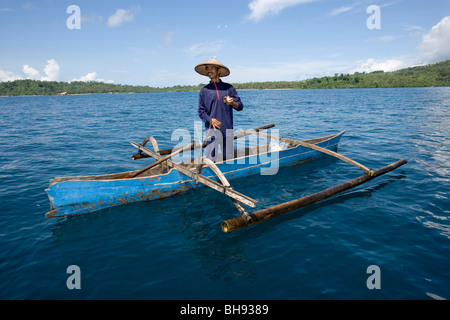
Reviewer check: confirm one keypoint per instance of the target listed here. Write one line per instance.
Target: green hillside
(423, 76)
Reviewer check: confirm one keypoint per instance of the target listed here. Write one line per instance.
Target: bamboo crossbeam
(200, 178)
(197, 146)
(268, 213)
(225, 182)
(317, 148)
(154, 164)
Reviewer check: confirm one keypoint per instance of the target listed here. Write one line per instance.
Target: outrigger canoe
(83, 194)
(165, 178)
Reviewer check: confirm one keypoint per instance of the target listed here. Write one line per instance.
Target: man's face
(212, 72)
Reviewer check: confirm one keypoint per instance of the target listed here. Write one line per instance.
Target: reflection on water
(431, 139)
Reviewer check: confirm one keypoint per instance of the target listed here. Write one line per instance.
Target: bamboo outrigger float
(268, 213)
(165, 178)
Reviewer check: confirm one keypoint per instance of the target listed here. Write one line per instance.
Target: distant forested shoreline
(422, 76)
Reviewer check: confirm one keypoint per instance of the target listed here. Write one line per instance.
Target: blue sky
(158, 43)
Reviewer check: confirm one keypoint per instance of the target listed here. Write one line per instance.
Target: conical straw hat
(201, 68)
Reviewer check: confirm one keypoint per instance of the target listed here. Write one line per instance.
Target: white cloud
(371, 65)
(287, 71)
(340, 10)
(28, 6)
(168, 37)
(385, 38)
(388, 38)
(8, 76)
(261, 8)
(51, 73)
(92, 76)
(92, 18)
(415, 31)
(308, 69)
(121, 16)
(31, 72)
(51, 70)
(205, 48)
(414, 28)
(166, 78)
(435, 44)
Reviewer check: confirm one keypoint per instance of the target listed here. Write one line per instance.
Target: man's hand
(215, 123)
(230, 101)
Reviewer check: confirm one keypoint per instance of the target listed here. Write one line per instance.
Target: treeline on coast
(36, 87)
(434, 75)
(422, 76)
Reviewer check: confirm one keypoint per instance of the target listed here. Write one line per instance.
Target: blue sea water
(175, 248)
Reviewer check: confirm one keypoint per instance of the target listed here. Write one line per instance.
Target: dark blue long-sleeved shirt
(211, 105)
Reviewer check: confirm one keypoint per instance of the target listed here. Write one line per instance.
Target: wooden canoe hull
(79, 195)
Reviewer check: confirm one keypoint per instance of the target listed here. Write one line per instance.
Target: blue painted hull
(79, 195)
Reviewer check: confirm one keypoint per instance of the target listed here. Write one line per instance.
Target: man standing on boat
(215, 107)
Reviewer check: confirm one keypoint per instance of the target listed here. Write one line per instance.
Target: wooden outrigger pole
(268, 213)
(317, 148)
(224, 186)
(200, 178)
(192, 146)
(238, 199)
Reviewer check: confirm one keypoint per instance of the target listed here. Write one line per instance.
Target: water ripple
(163, 249)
